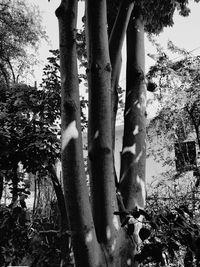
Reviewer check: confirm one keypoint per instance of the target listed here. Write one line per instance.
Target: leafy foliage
(171, 234)
(23, 242)
(157, 14)
(27, 129)
(177, 97)
(14, 235)
(30, 121)
(20, 28)
(168, 233)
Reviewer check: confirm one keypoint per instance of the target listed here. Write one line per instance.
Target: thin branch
(11, 68)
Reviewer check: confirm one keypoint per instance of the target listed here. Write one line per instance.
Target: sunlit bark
(132, 180)
(74, 180)
(116, 41)
(99, 133)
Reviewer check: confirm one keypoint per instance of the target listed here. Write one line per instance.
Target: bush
(14, 240)
(36, 243)
(173, 239)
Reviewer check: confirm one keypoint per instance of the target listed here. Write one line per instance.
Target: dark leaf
(197, 182)
(135, 213)
(125, 221)
(174, 245)
(130, 229)
(121, 213)
(153, 225)
(144, 233)
(146, 215)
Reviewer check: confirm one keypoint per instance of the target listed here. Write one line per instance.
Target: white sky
(184, 33)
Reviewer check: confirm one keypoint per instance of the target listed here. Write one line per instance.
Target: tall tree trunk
(103, 243)
(116, 41)
(132, 180)
(84, 241)
(101, 167)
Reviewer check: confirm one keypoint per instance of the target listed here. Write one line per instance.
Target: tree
(27, 133)
(97, 238)
(51, 84)
(177, 93)
(21, 30)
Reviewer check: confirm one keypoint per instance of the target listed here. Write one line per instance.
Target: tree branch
(11, 68)
(116, 41)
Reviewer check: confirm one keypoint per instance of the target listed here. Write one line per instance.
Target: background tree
(21, 30)
(27, 133)
(177, 97)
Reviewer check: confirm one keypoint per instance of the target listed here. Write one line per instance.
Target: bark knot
(108, 67)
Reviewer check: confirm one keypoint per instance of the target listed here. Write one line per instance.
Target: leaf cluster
(171, 233)
(157, 14)
(30, 121)
(14, 235)
(27, 132)
(35, 243)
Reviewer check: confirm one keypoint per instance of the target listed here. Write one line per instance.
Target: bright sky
(184, 33)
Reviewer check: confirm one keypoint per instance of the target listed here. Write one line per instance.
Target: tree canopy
(20, 29)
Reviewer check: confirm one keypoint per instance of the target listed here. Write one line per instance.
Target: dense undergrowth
(170, 235)
(27, 241)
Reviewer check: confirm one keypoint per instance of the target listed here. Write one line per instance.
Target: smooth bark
(74, 181)
(116, 41)
(132, 180)
(104, 243)
(101, 167)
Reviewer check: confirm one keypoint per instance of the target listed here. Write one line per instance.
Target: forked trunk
(105, 243)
